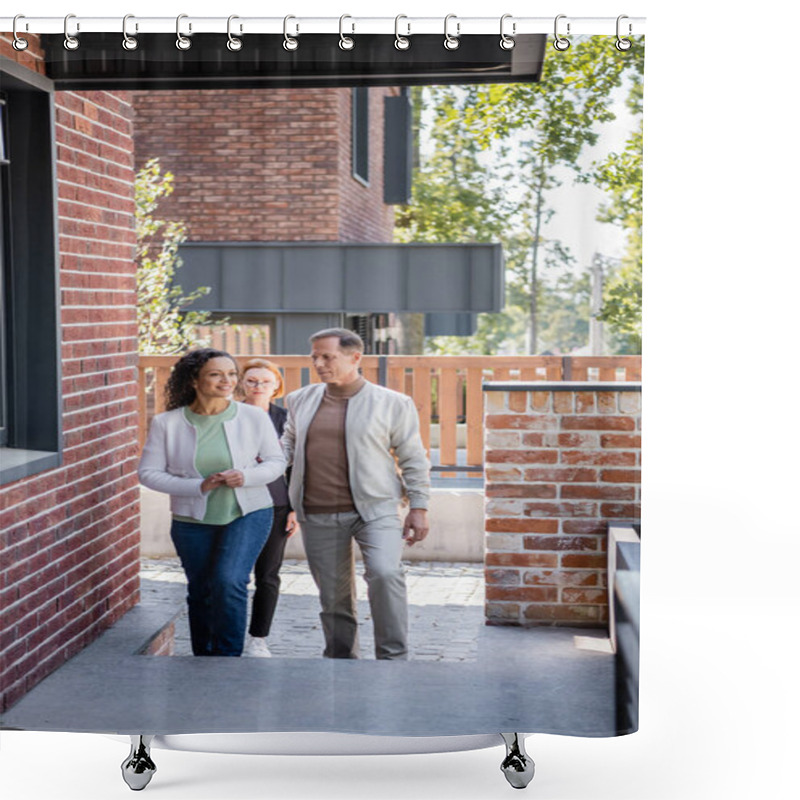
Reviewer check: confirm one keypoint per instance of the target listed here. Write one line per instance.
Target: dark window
(30, 364)
(3, 260)
(398, 148)
(361, 134)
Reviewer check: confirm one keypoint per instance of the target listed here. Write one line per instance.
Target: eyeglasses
(251, 384)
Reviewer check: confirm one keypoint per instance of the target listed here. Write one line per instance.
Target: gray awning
(280, 277)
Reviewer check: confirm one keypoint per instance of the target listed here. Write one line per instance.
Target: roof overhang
(100, 62)
(303, 277)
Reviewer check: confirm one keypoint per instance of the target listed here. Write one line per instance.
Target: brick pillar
(562, 460)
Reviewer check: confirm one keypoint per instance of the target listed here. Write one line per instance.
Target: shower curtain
(477, 221)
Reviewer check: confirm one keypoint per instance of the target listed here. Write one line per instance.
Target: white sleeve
(411, 457)
(153, 466)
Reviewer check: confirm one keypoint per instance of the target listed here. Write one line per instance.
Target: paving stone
(445, 609)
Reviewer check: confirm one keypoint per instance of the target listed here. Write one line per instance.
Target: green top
(213, 455)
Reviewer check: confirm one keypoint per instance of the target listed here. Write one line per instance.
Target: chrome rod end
(517, 766)
(138, 768)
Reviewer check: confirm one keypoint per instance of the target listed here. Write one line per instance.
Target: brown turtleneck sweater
(326, 487)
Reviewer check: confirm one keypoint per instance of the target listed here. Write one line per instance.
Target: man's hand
(415, 528)
(291, 523)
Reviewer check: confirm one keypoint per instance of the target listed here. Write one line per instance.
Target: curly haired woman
(214, 457)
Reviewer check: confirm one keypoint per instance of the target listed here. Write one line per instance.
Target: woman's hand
(291, 524)
(210, 483)
(232, 478)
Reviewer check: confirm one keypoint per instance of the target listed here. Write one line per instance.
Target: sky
(721, 538)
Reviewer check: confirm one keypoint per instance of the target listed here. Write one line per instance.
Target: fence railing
(446, 389)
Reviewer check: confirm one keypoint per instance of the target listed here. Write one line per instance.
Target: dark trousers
(267, 574)
(217, 560)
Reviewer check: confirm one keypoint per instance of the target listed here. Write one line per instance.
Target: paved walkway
(445, 609)
(463, 677)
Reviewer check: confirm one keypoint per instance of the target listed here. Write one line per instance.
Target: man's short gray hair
(348, 340)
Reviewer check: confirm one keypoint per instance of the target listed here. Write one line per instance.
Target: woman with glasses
(261, 384)
(214, 457)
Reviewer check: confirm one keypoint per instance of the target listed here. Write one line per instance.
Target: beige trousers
(328, 541)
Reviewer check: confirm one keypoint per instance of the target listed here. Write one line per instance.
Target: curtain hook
(233, 43)
(129, 42)
(346, 42)
(70, 42)
(451, 42)
(507, 42)
(560, 43)
(182, 43)
(401, 42)
(623, 44)
(290, 43)
(18, 43)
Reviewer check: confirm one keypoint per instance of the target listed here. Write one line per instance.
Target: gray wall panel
(313, 279)
(250, 278)
(293, 330)
(344, 278)
(374, 278)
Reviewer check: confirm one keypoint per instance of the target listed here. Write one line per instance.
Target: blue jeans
(217, 560)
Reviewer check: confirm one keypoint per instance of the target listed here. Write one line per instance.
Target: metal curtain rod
(408, 26)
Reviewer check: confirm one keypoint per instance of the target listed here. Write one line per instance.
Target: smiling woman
(214, 457)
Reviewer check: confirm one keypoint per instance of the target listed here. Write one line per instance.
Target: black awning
(100, 62)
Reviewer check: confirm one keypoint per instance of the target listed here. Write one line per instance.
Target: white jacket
(168, 460)
(380, 424)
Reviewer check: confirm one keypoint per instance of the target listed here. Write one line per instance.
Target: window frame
(31, 371)
(4, 224)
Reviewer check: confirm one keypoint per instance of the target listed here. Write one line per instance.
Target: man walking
(355, 449)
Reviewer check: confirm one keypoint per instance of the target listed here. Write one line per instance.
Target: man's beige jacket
(380, 425)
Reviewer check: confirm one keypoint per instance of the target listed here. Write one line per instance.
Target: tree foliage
(165, 327)
(621, 176)
(488, 138)
(558, 117)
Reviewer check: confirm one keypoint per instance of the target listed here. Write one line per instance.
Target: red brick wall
(363, 217)
(560, 464)
(70, 536)
(31, 57)
(264, 164)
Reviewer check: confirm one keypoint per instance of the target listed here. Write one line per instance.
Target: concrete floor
(491, 679)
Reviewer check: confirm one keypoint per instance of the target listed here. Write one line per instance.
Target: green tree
(621, 175)
(165, 327)
(453, 200)
(461, 193)
(492, 143)
(457, 197)
(553, 120)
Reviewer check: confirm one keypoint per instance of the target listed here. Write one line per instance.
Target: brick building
(255, 166)
(281, 166)
(69, 525)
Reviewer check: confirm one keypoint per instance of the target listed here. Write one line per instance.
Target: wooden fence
(446, 389)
